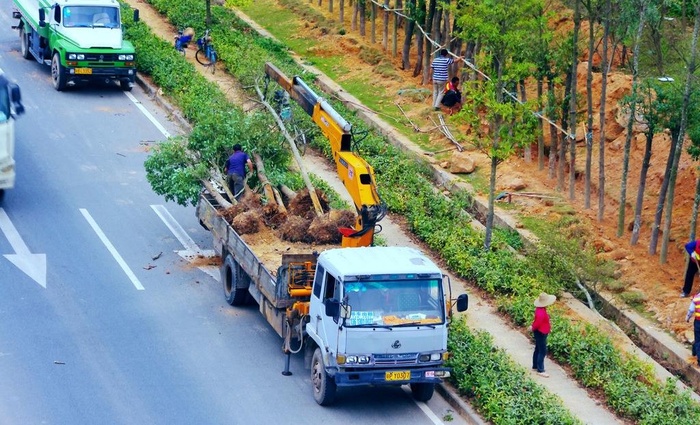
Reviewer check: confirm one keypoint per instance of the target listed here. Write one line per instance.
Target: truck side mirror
(136, 15)
(16, 98)
(345, 311)
(462, 302)
(332, 309)
(42, 17)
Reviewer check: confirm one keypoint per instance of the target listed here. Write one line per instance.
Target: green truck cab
(82, 40)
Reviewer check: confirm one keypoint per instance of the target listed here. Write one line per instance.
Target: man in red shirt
(541, 328)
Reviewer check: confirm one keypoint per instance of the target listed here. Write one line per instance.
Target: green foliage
(498, 389)
(496, 385)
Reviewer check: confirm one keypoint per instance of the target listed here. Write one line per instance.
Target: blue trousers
(540, 351)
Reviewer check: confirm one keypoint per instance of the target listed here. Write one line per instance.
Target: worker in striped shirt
(440, 68)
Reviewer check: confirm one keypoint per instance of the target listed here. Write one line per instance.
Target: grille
(395, 359)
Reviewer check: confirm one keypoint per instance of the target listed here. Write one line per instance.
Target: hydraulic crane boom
(355, 173)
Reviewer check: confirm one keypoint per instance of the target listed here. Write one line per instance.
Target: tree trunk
(603, 95)
(642, 186)
(528, 147)
(630, 123)
(573, 105)
(540, 135)
(395, 32)
(385, 34)
(681, 136)
(406, 53)
(589, 101)
(264, 181)
(207, 5)
(420, 41)
(361, 9)
(658, 214)
(330, 6)
(341, 12)
(431, 28)
(355, 11)
(561, 169)
(553, 132)
(373, 24)
(694, 213)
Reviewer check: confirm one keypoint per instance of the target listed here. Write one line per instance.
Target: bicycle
(206, 55)
(284, 110)
(182, 39)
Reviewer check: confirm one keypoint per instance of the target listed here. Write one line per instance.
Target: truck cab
(378, 316)
(10, 108)
(82, 40)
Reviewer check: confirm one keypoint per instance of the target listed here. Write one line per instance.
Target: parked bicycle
(281, 102)
(182, 40)
(206, 55)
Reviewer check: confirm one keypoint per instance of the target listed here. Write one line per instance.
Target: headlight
(126, 57)
(76, 56)
(429, 357)
(361, 359)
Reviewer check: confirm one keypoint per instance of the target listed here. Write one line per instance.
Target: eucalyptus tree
(641, 7)
(573, 99)
(688, 115)
(500, 26)
(593, 9)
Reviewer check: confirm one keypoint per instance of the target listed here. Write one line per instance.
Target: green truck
(81, 40)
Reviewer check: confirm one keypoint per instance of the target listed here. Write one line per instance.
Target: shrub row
(628, 384)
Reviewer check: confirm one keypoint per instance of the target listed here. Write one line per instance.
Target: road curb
(449, 393)
(154, 93)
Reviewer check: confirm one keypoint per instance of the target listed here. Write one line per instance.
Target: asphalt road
(106, 334)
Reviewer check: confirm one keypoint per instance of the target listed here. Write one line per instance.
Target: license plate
(398, 375)
(84, 71)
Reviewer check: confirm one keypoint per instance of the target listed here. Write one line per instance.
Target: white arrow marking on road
(191, 250)
(34, 265)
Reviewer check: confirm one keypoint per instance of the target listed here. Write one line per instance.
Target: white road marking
(33, 265)
(112, 249)
(148, 115)
(191, 250)
(424, 407)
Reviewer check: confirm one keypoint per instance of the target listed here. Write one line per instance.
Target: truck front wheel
(58, 73)
(324, 385)
(422, 391)
(235, 282)
(24, 38)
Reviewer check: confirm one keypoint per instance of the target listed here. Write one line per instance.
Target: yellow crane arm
(355, 173)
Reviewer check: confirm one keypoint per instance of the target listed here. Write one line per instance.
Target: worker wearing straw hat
(541, 328)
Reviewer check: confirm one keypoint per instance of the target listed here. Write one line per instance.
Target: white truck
(10, 108)
(362, 316)
(80, 39)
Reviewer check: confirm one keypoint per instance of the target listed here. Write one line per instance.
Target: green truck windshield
(394, 302)
(90, 16)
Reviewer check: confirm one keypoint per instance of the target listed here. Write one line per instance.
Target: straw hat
(544, 300)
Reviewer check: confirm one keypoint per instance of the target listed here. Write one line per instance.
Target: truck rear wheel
(235, 282)
(24, 38)
(324, 386)
(422, 391)
(58, 73)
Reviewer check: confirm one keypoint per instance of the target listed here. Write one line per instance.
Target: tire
(125, 85)
(235, 281)
(422, 391)
(2, 195)
(202, 58)
(58, 73)
(24, 39)
(323, 385)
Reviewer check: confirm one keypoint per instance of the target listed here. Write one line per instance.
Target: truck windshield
(394, 302)
(90, 16)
